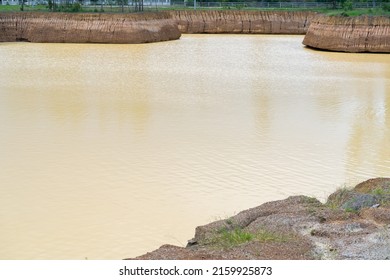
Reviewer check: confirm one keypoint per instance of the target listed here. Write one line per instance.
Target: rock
(339, 197)
(370, 246)
(373, 184)
(87, 28)
(191, 242)
(170, 252)
(296, 249)
(359, 201)
(349, 34)
(282, 210)
(371, 193)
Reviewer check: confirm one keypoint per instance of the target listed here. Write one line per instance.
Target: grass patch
(312, 204)
(16, 8)
(385, 11)
(351, 210)
(336, 199)
(311, 200)
(345, 194)
(230, 238)
(355, 12)
(380, 192)
(229, 221)
(383, 196)
(234, 237)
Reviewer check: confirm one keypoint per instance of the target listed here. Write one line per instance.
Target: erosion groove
(349, 34)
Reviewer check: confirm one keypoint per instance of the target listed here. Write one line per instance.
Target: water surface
(109, 151)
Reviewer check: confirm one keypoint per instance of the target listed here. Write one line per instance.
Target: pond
(110, 151)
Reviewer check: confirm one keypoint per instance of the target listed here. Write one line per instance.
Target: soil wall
(349, 34)
(87, 28)
(243, 22)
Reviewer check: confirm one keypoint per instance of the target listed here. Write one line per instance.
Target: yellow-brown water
(109, 151)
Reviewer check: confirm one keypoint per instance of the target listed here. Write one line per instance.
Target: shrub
(76, 7)
(348, 5)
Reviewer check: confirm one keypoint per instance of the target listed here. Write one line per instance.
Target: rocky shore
(87, 28)
(349, 34)
(352, 224)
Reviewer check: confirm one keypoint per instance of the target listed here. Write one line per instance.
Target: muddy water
(109, 151)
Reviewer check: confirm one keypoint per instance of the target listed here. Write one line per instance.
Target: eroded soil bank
(145, 27)
(352, 224)
(243, 22)
(87, 28)
(349, 34)
(355, 34)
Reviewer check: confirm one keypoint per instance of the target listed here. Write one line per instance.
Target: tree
(50, 5)
(21, 2)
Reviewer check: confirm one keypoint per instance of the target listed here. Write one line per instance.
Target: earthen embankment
(349, 34)
(243, 22)
(87, 28)
(145, 27)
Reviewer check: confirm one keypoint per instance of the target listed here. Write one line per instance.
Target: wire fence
(276, 5)
(129, 6)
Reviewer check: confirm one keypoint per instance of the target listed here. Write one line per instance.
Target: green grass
(109, 9)
(311, 200)
(350, 210)
(338, 198)
(16, 8)
(229, 238)
(229, 221)
(355, 12)
(233, 237)
(380, 192)
(382, 195)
